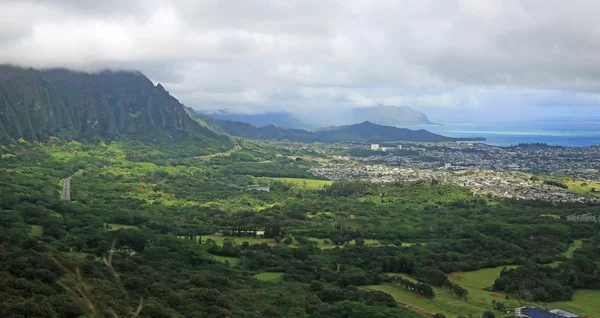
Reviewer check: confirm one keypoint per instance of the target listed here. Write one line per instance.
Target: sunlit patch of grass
(37, 230)
(117, 226)
(308, 183)
(481, 279)
(233, 261)
(554, 216)
(269, 276)
(575, 245)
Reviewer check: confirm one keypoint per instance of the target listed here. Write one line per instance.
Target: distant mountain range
(382, 115)
(279, 119)
(35, 105)
(365, 132)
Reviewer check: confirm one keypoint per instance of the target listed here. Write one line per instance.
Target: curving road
(66, 189)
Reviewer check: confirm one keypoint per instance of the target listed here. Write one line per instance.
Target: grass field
(233, 261)
(480, 279)
(116, 226)
(554, 216)
(269, 276)
(479, 299)
(444, 303)
(584, 187)
(37, 230)
(309, 183)
(585, 303)
(575, 245)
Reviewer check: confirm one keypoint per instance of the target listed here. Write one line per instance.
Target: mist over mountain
(35, 105)
(381, 114)
(389, 115)
(279, 119)
(365, 132)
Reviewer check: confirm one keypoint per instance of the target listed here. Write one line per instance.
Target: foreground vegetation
(181, 233)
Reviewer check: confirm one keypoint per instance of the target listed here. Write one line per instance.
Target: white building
(374, 146)
(399, 147)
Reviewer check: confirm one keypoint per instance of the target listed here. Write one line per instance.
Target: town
(521, 172)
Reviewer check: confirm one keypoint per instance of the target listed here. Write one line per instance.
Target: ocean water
(571, 134)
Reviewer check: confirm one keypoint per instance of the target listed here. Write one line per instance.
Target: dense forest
(168, 232)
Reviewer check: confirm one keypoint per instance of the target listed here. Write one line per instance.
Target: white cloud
(311, 54)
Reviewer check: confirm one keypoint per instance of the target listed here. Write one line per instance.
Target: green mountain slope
(36, 105)
(370, 132)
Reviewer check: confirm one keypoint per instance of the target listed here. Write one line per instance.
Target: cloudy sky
(455, 60)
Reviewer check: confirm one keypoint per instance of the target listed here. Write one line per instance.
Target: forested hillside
(35, 105)
(185, 237)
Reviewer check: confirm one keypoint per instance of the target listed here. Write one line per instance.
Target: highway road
(66, 189)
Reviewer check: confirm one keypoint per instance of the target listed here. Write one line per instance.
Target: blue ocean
(570, 134)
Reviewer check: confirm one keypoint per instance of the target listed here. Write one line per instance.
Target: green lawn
(554, 216)
(269, 276)
(585, 303)
(309, 183)
(444, 303)
(37, 230)
(575, 245)
(583, 187)
(233, 261)
(117, 226)
(481, 279)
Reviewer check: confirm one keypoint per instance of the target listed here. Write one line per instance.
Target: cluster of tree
(556, 184)
(421, 288)
(533, 282)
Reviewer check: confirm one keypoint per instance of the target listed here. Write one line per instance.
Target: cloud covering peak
(304, 55)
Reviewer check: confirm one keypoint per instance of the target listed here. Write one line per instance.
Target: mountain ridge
(280, 119)
(365, 132)
(39, 104)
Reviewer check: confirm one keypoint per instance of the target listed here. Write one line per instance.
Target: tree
(488, 314)
(288, 241)
(359, 241)
(498, 305)
(438, 315)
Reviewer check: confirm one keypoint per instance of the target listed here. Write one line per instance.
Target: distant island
(390, 116)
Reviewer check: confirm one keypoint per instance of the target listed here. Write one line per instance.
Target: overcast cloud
(495, 57)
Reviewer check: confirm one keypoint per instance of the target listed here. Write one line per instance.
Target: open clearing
(269, 276)
(585, 302)
(480, 279)
(583, 187)
(37, 230)
(117, 226)
(233, 261)
(575, 245)
(443, 302)
(554, 216)
(309, 183)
